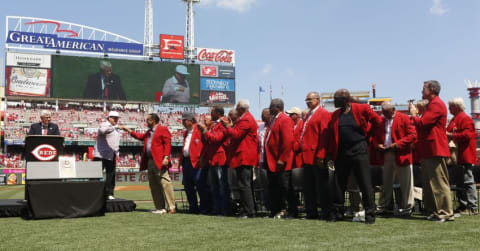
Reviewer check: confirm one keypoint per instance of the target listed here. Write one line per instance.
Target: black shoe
(369, 219)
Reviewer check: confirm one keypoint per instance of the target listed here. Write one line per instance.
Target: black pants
(316, 189)
(110, 168)
(278, 186)
(359, 164)
(242, 186)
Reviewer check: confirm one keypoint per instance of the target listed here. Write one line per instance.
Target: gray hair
(387, 105)
(422, 103)
(458, 102)
(105, 64)
(244, 104)
(434, 86)
(45, 113)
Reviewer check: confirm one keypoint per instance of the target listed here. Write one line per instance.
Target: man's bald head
(341, 98)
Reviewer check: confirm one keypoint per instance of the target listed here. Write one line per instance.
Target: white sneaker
(359, 216)
(110, 197)
(161, 211)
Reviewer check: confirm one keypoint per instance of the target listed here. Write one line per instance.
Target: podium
(59, 187)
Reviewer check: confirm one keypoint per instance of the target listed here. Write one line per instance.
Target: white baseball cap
(113, 114)
(294, 110)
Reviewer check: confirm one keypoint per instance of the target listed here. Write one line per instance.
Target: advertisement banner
(217, 97)
(171, 47)
(125, 80)
(210, 71)
(217, 84)
(142, 176)
(12, 179)
(54, 42)
(12, 170)
(226, 71)
(205, 55)
(28, 60)
(27, 82)
(3, 177)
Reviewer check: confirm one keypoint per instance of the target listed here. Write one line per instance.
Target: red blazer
(195, 148)
(432, 130)
(161, 146)
(243, 142)
(403, 134)
(213, 141)
(314, 136)
(363, 115)
(297, 151)
(465, 137)
(280, 143)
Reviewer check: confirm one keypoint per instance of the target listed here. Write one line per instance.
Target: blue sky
(306, 45)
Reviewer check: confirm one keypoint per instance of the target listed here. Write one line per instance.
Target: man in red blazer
(243, 150)
(461, 130)
(156, 159)
(215, 155)
(393, 140)
(312, 147)
(279, 157)
(348, 148)
(194, 173)
(433, 142)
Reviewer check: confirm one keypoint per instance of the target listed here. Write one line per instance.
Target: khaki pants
(160, 187)
(403, 175)
(436, 188)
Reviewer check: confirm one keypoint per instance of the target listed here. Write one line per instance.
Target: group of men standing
(220, 154)
(329, 147)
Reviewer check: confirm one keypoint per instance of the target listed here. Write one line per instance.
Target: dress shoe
(110, 197)
(369, 219)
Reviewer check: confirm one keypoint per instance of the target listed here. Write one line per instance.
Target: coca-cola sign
(216, 55)
(44, 152)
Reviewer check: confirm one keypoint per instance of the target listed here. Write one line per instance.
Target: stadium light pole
(148, 31)
(190, 32)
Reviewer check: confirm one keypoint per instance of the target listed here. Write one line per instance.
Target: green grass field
(141, 230)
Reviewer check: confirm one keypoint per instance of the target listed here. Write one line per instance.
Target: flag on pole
(260, 89)
(271, 92)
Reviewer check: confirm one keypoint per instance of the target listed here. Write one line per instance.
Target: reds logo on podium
(44, 152)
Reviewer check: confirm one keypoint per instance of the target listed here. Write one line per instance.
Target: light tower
(189, 32)
(148, 31)
(474, 91)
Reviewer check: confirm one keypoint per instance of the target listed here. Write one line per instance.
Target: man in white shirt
(106, 149)
(176, 89)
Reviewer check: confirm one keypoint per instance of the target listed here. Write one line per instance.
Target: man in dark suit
(104, 84)
(44, 127)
